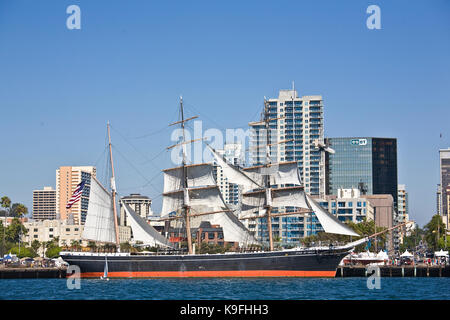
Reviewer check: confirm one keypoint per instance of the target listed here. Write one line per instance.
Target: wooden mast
(267, 178)
(113, 190)
(185, 184)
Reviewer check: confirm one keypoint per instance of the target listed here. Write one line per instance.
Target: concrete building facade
(44, 204)
(67, 179)
(348, 206)
(142, 205)
(48, 230)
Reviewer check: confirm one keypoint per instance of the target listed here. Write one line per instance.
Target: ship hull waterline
(317, 263)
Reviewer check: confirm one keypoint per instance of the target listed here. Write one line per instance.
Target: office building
(140, 204)
(48, 230)
(44, 204)
(402, 210)
(348, 206)
(294, 124)
(367, 163)
(298, 121)
(444, 175)
(403, 207)
(384, 216)
(67, 179)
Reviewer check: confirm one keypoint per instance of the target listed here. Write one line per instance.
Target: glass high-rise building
(367, 163)
(295, 123)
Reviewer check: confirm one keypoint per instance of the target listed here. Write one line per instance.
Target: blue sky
(132, 60)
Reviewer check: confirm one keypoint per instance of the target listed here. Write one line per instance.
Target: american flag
(76, 195)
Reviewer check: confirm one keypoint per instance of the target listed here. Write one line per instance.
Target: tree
(5, 203)
(434, 230)
(125, 247)
(18, 210)
(91, 245)
(75, 245)
(35, 245)
(413, 240)
(15, 230)
(53, 252)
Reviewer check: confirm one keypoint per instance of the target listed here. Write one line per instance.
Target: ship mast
(268, 204)
(185, 184)
(113, 190)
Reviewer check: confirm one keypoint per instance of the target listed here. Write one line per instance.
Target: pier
(394, 271)
(32, 273)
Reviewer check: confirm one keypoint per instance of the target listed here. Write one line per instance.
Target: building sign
(359, 142)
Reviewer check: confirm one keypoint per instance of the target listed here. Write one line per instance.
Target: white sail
(285, 173)
(233, 173)
(142, 231)
(206, 199)
(254, 198)
(197, 175)
(99, 225)
(329, 222)
(233, 229)
(289, 197)
(172, 202)
(252, 211)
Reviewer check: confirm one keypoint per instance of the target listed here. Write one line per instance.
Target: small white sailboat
(105, 270)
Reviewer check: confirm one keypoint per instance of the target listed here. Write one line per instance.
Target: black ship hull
(286, 263)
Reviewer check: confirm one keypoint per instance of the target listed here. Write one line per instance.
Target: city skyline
(59, 87)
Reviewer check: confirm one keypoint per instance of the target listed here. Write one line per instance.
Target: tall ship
(191, 196)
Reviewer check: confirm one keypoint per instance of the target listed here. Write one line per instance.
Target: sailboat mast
(113, 189)
(185, 184)
(267, 178)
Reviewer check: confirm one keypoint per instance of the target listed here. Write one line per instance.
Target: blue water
(234, 289)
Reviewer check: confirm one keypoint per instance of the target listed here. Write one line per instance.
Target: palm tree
(74, 244)
(91, 245)
(6, 203)
(35, 245)
(18, 210)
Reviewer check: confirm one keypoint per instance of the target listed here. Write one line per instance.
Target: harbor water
(228, 289)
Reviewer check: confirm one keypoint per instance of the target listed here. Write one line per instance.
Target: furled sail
(142, 231)
(172, 202)
(233, 229)
(329, 222)
(234, 174)
(197, 175)
(99, 225)
(289, 197)
(209, 199)
(285, 173)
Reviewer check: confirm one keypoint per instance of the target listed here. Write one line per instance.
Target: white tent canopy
(406, 254)
(441, 253)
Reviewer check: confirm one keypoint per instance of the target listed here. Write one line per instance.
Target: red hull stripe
(187, 274)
